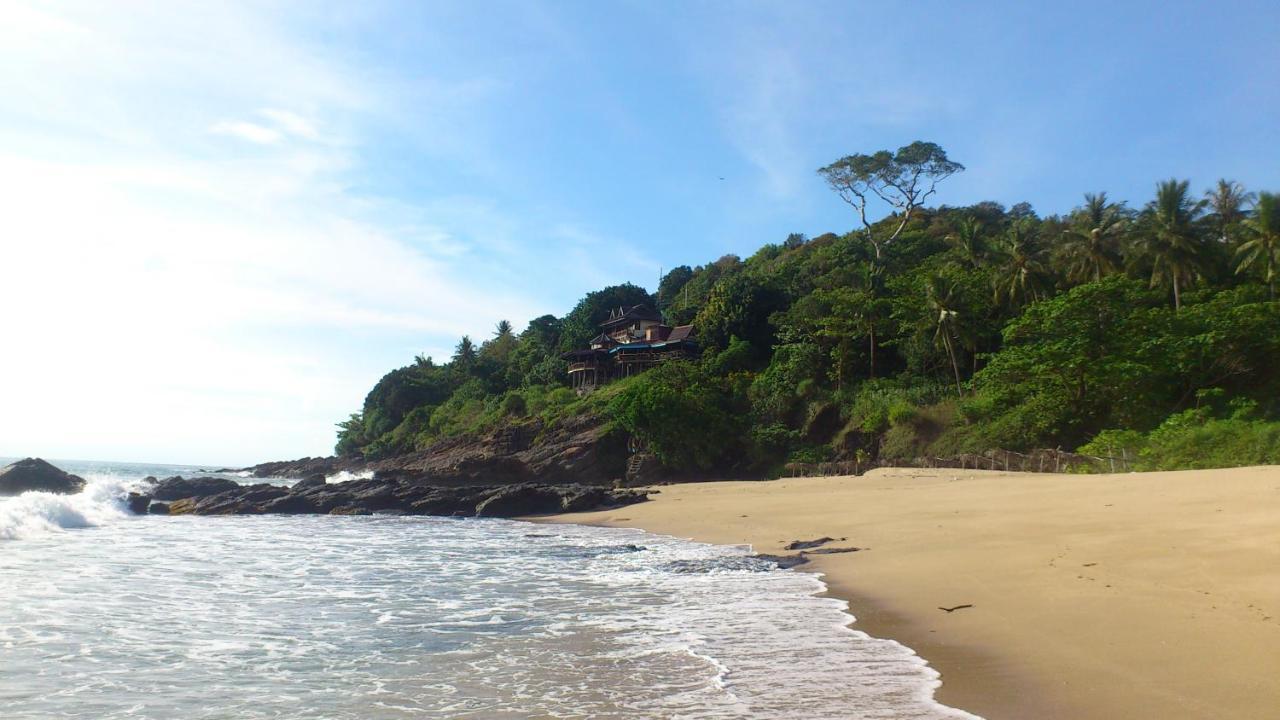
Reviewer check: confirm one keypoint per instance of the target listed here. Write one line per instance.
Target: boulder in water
(36, 474)
(138, 503)
(177, 488)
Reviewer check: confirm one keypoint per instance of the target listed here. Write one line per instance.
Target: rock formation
(36, 474)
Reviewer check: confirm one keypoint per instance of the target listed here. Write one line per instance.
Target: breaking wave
(345, 475)
(37, 513)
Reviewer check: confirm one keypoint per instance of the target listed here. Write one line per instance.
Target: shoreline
(1094, 596)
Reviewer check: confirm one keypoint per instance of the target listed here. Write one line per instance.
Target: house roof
(602, 339)
(681, 332)
(622, 316)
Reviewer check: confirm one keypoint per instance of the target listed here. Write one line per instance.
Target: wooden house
(631, 341)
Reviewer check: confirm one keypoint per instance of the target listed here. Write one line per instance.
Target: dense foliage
(934, 331)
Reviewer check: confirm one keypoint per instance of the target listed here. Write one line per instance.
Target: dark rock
(806, 544)
(305, 467)
(158, 508)
(388, 495)
(310, 481)
(138, 503)
(177, 488)
(785, 561)
(36, 474)
(446, 504)
(521, 500)
(349, 510)
(244, 500)
(835, 551)
(303, 504)
(588, 499)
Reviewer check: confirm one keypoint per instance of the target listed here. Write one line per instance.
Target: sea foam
(36, 513)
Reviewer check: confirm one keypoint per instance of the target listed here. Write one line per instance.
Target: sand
(1144, 595)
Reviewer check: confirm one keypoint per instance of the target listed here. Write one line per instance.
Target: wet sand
(1143, 595)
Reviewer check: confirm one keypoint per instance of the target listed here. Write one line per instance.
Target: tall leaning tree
(904, 180)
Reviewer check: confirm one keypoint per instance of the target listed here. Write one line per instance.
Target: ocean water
(108, 615)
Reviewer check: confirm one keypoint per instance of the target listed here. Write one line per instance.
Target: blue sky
(224, 221)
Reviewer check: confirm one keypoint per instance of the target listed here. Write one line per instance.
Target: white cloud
(247, 131)
(178, 297)
(291, 123)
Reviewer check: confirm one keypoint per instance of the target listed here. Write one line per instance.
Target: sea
(104, 614)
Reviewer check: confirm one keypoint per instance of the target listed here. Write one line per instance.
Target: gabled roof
(681, 332)
(602, 339)
(622, 316)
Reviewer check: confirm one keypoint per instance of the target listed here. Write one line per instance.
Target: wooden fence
(1046, 460)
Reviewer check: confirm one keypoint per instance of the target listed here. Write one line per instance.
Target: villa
(631, 341)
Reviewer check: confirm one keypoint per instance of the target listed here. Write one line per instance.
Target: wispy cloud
(291, 123)
(247, 131)
(195, 299)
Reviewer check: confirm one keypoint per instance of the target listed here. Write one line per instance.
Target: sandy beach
(1145, 595)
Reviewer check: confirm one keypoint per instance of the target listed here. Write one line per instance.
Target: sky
(221, 223)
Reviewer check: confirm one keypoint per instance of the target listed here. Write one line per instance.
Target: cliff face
(582, 450)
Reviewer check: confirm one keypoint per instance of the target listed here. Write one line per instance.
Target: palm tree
(1091, 245)
(1264, 240)
(1168, 240)
(945, 312)
(1227, 202)
(503, 329)
(967, 241)
(1021, 275)
(464, 354)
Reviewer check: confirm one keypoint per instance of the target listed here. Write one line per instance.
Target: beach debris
(1088, 564)
(953, 609)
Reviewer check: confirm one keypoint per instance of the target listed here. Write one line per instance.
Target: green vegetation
(935, 331)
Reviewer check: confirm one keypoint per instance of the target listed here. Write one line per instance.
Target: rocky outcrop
(305, 467)
(582, 450)
(177, 488)
(36, 474)
(382, 495)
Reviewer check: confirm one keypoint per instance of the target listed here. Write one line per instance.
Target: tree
(499, 348)
(1263, 245)
(583, 322)
(671, 284)
(1168, 240)
(904, 180)
(946, 320)
(1021, 275)
(684, 415)
(739, 305)
(967, 241)
(464, 355)
(1226, 202)
(1091, 243)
